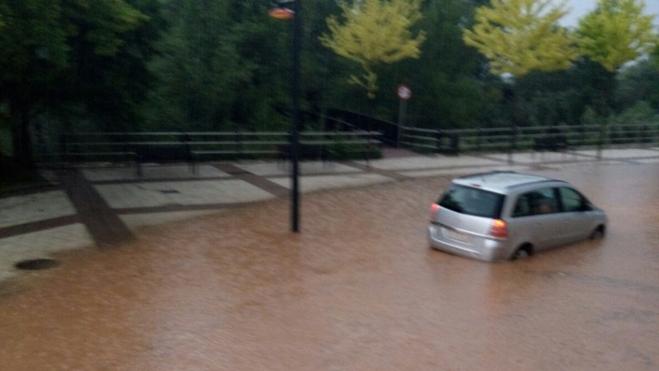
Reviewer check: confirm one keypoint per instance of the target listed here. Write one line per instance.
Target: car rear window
(472, 201)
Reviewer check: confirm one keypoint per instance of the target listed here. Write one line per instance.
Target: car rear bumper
(480, 248)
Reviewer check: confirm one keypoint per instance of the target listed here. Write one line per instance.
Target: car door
(575, 210)
(536, 218)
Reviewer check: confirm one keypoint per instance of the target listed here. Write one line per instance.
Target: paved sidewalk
(105, 206)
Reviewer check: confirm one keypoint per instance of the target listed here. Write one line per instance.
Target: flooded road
(358, 290)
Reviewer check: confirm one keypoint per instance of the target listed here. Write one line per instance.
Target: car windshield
(472, 201)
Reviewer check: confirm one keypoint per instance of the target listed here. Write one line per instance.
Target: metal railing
(537, 138)
(196, 146)
(361, 121)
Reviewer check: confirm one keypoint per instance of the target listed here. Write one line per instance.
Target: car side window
(538, 202)
(572, 200)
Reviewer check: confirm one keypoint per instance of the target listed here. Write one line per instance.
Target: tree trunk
(512, 103)
(605, 104)
(20, 133)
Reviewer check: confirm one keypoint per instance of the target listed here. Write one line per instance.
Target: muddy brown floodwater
(358, 290)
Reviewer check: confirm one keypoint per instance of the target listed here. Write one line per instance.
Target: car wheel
(524, 251)
(598, 233)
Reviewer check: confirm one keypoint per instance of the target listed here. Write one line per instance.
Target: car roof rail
(548, 180)
(487, 173)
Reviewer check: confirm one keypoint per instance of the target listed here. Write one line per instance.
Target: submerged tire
(523, 251)
(598, 233)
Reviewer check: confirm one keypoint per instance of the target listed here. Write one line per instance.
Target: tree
(223, 65)
(452, 89)
(108, 76)
(636, 83)
(616, 32)
(590, 117)
(655, 55)
(546, 105)
(196, 67)
(33, 49)
(519, 36)
(375, 32)
(54, 52)
(639, 113)
(3, 11)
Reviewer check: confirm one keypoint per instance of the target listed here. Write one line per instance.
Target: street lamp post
(285, 13)
(295, 130)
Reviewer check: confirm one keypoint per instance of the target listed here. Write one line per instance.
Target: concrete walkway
(105, 206)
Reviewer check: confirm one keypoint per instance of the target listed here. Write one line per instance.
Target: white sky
(581, 7)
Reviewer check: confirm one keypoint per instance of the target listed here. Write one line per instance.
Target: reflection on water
(359, 289)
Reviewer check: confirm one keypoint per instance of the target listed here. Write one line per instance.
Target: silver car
(506, 215)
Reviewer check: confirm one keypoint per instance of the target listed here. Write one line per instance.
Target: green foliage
(222, 65)
(616, 32)
(547, 108)
(56, 54)
(451, 88)
(194, 65)
(562, 96)
(46, 35)
(111, 65)
(641, 112)
(590, 117)
(639, 82)
(3, 13)
(448, 79)
(33, 43)
(375, 32)
(109, 19)
(654, 57)
(111, 77)
(341, 151)
(520, 36)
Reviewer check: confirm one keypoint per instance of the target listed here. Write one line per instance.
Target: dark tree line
(120, 65)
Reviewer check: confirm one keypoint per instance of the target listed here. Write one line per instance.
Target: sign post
(404, 94)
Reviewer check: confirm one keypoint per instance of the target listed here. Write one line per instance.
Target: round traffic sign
(404, 92)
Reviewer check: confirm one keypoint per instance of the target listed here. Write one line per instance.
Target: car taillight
(499, 229)
(434, 209)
